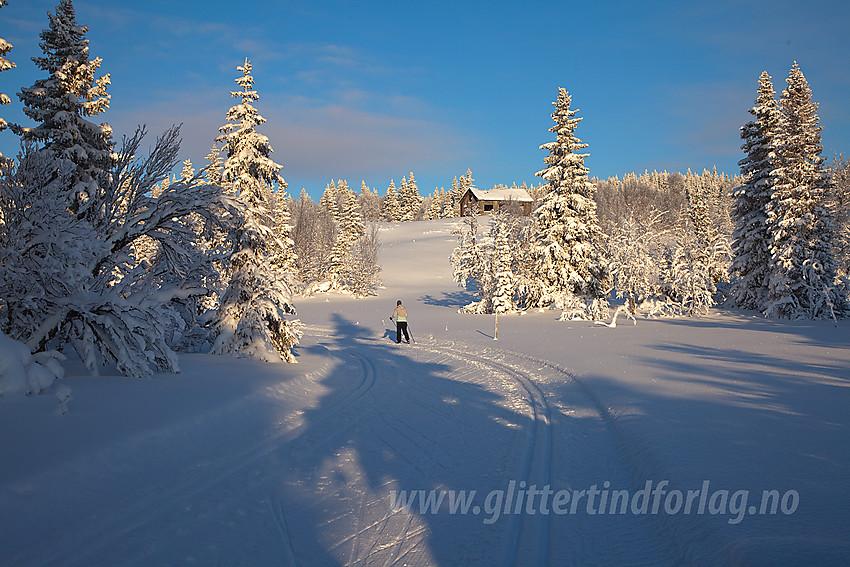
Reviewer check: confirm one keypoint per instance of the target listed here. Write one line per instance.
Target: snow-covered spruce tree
(705, 216)
(751, 240)
(331, 203)
(390, 206)
(5, 65)
(802, 282)
(410, 201)
(188, 171)
(349, 229)
(330, 200)
(452, 209)
(437, 206)
(571, 268)
(504, 280)
(351, 222)
(251, 319)
(59, 105)
(404, 215)
(284, 258)
(212, 172)
(840, 205)
(370, 203)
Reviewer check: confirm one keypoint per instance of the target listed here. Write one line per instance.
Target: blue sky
(374, 90)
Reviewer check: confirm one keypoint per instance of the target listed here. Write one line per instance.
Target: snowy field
(668, 442)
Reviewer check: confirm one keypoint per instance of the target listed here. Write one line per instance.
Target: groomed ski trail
(315, 488)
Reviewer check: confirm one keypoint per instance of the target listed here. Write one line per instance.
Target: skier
(400, 315)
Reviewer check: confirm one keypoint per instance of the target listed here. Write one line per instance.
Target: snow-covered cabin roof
(512, 194)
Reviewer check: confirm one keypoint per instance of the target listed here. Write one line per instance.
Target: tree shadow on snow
(816, 333)
(454, 299)
(392, 419)
(742, 421)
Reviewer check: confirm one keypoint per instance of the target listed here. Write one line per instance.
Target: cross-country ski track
(372, 453)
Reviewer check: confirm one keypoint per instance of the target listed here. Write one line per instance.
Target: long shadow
(453, 299)
(742, 421)
(825, 333)
(407, 426)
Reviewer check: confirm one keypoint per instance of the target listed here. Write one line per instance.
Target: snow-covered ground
(234, 462)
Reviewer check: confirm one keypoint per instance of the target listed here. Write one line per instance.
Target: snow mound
(24, 373)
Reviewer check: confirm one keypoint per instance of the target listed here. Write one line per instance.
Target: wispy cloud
(312, 139)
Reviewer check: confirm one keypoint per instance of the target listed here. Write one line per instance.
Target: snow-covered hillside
(646, 444)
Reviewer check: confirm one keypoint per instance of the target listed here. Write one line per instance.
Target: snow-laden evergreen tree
(188, 171)
(410, 201)
(704, 213)
(699, 199)
(331, 204)
(840, 205)
(571, 268)
(454, 196)
(390, 207)
(351, 220)
(437, 206)
(212, 172)
(252, 319)
(284, 258)
(404, 215)
(370, 203)
(60, 103)
(802, 282)
(330, 200)
(504, 280)
(5, 65)
(751, 240)
(349, 229)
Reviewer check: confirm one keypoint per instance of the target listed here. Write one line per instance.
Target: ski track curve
(528, 541)
(394, 540)
(536, 463)
(676, 534)
(530, 537)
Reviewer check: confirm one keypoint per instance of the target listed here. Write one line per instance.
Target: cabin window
(488, 207)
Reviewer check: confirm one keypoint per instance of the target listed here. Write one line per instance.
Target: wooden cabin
(487, 201)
